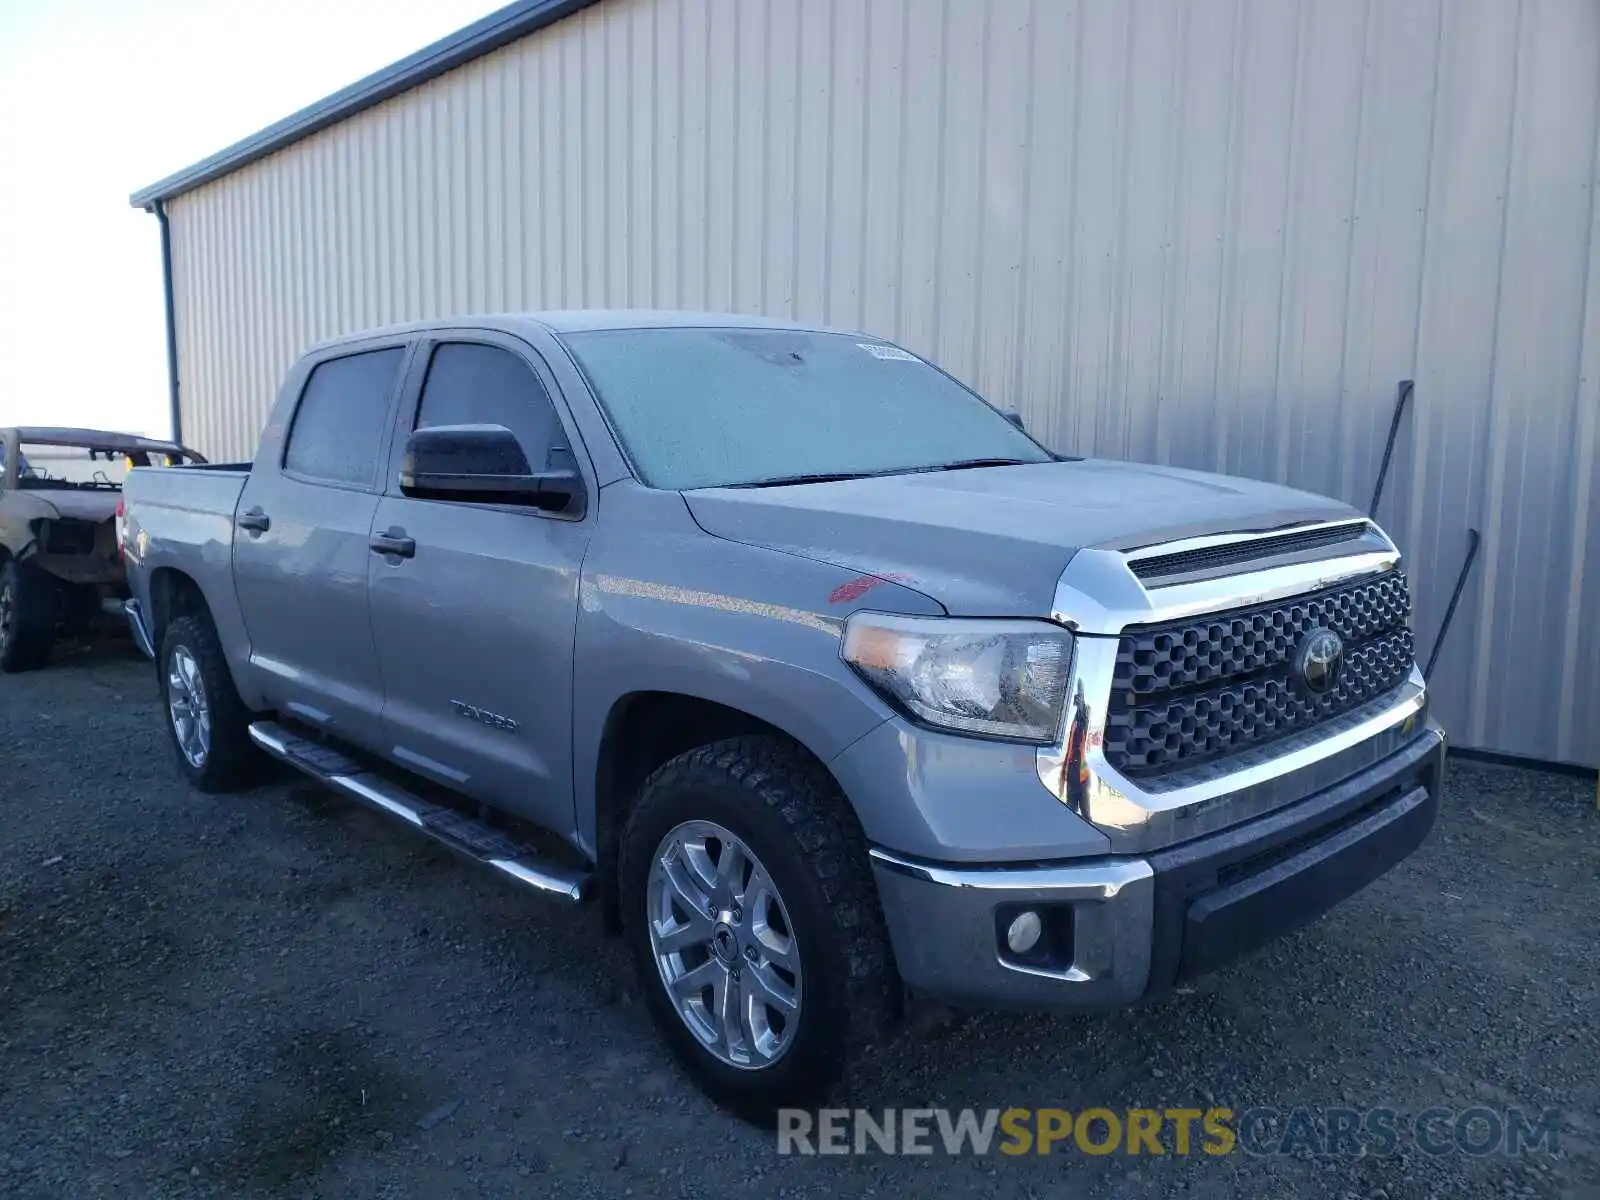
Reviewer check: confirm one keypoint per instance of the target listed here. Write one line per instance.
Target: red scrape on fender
(860, 586)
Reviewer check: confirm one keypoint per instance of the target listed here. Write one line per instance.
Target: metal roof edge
(483, 36)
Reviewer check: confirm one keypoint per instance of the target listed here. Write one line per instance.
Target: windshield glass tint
(712, 407)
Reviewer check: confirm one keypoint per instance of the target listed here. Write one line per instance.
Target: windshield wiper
(836, 476)
(786, 480)
(970, 463)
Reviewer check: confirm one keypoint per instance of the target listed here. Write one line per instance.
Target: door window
(473, 384)
(339, 425)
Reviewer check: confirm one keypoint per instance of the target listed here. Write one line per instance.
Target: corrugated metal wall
(1207, 233)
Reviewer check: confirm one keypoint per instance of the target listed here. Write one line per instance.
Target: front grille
(1195, 691)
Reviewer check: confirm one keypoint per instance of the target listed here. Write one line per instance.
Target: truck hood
(994, 541)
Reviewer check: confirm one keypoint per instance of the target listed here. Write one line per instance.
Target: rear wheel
(27, 627)
(208, 722)
(749, 908)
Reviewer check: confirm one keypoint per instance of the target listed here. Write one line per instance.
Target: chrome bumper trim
(1113, 919)
(1094, 881)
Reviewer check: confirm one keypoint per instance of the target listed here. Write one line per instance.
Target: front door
(300, 553)
(475, 627)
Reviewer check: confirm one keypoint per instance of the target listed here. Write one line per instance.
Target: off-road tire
(791, 814)
(233, 761)
(27, 642)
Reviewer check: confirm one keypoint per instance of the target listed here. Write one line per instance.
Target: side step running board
(474, 839)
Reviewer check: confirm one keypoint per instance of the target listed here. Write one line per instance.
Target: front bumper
(1120, 930)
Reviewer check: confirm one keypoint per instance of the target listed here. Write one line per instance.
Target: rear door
(300, 556)
(475, 628)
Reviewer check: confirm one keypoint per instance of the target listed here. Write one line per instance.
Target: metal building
(1216, 233)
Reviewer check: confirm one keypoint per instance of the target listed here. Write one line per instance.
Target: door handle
(254, 521)
(395, 542)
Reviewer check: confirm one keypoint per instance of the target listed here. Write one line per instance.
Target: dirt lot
(273, 994)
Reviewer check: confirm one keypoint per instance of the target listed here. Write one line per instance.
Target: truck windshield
(706, 407)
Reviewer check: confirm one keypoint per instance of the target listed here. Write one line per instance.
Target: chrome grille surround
(1099, 597)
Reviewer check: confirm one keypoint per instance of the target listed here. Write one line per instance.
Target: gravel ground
(279, 993)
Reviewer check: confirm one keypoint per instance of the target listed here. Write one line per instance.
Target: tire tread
(234, 762)
(825, 828)
(809, 805)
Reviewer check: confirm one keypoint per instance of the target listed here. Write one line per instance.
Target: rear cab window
(343, 414)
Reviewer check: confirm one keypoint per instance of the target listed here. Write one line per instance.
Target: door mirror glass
(483, 464)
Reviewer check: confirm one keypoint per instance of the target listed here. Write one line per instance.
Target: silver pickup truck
(826, 681)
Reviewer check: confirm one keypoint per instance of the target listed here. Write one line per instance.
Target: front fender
(666, 607)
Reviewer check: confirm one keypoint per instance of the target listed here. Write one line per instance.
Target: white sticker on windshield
(890, 353)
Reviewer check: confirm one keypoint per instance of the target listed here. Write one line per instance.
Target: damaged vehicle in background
(60, 566)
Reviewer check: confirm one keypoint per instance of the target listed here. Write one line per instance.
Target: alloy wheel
(191, 713)
(724, 945)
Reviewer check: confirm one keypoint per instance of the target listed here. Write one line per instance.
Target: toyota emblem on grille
(1320, 660)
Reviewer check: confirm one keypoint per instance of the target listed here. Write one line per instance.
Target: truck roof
(579, 320)
(98, 439)
(584, 320)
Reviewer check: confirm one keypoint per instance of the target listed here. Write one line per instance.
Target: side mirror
(482, 463)
(1015, 418)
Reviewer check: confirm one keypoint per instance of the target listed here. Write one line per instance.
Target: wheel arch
(645, 729)
(173, 593)
(229, 760)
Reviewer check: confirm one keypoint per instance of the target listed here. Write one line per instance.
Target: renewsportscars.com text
(1160, 1131)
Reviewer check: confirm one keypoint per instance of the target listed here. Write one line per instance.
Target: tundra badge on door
(483, 716)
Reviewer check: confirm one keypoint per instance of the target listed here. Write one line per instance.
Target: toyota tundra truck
(827, 682)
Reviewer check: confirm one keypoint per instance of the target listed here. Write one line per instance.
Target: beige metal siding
(1214, 234)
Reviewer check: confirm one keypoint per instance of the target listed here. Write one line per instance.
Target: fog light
(1023, 933)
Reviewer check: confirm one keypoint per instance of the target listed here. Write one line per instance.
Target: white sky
(101, 97)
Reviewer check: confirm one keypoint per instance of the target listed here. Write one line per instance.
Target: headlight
(1001, 679)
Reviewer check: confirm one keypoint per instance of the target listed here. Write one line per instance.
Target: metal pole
(1473, 539)
(1401, 398)
(172, 322)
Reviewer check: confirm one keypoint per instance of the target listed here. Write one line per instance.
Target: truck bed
(182, 518)
(209, 488)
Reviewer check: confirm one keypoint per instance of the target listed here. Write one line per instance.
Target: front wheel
(749, 909)
(208, 722)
